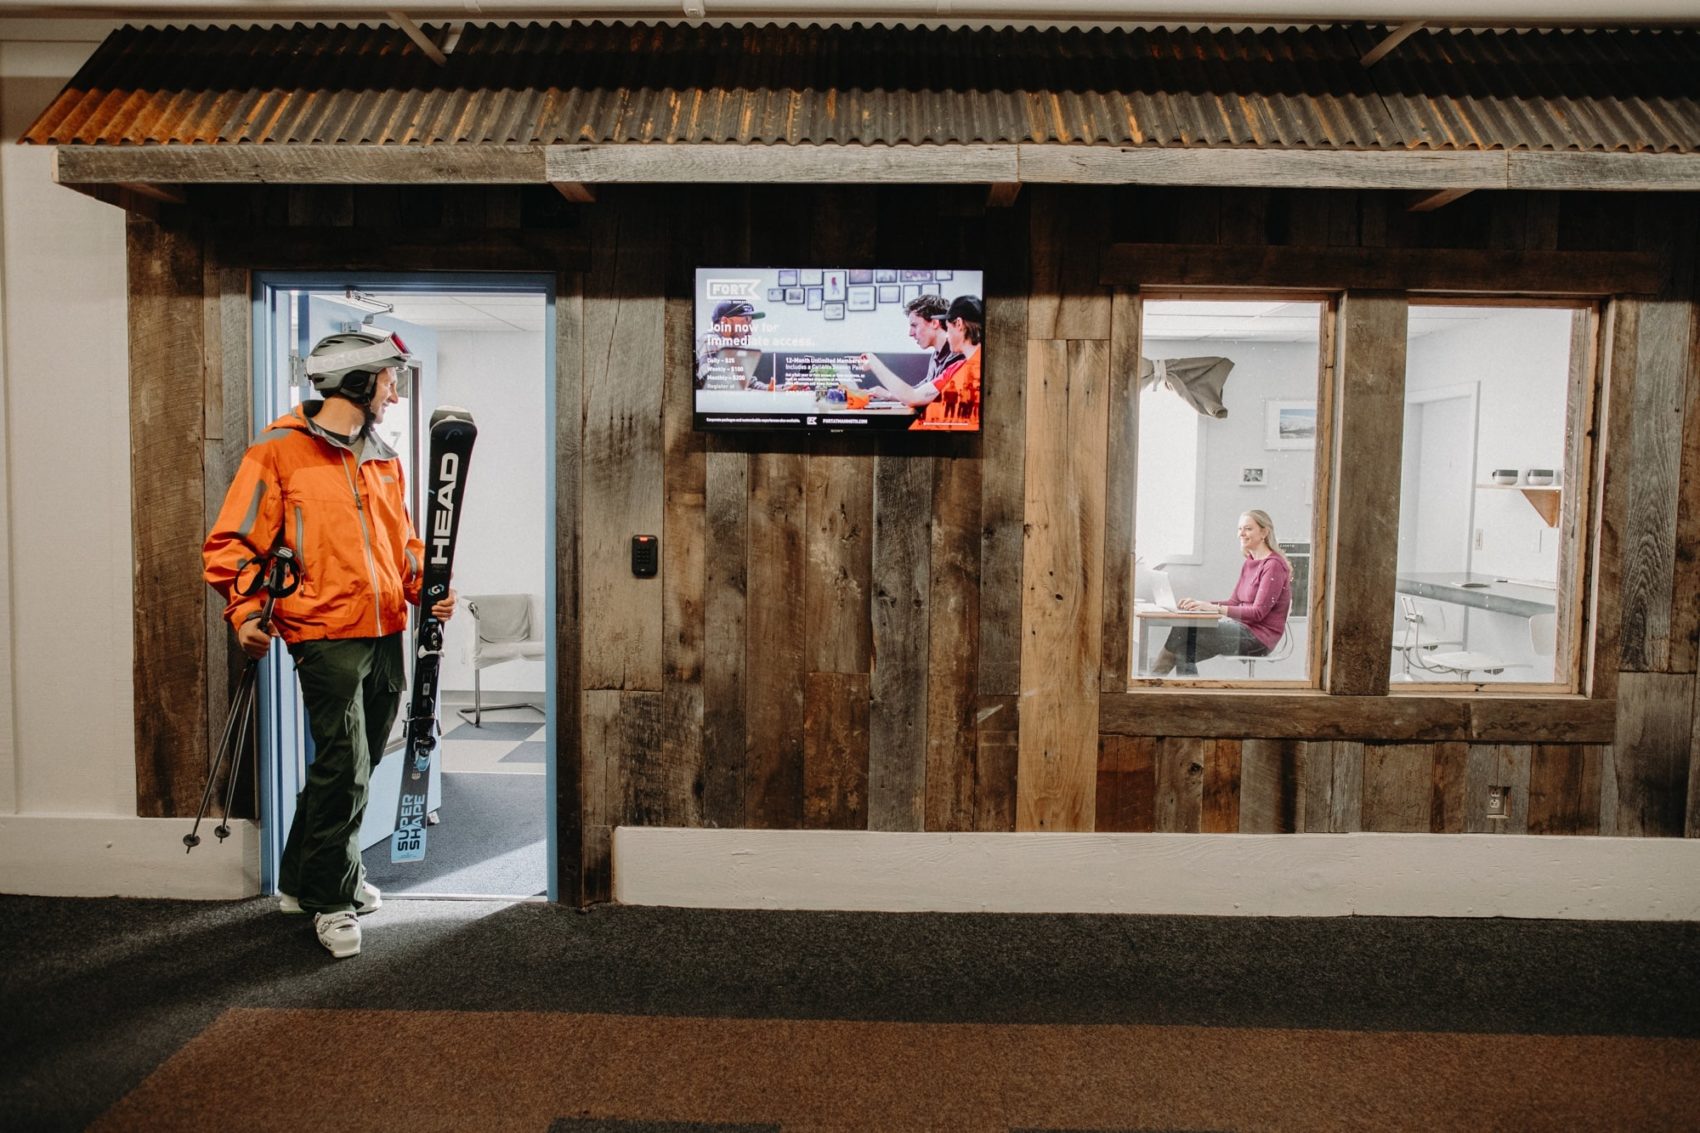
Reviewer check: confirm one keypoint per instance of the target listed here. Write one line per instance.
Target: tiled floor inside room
(508, 741)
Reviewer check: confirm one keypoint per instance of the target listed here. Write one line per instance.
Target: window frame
(1574, 586)
(1416, 713)
(1327, 303)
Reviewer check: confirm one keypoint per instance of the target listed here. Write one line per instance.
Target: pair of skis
(452, 435)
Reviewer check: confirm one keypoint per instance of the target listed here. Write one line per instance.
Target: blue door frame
(279, 723)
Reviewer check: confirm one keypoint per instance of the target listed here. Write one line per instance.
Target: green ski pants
(351, 689)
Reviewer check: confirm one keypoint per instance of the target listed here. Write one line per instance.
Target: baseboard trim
(1423, 875)
(115, 856)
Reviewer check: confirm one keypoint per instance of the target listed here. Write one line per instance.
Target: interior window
(1483, 577)
(1225, 498)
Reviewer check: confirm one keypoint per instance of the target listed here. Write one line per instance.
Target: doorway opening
(483, 342)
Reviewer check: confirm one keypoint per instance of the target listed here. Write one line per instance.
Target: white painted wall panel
(68, 746)
(499, 377)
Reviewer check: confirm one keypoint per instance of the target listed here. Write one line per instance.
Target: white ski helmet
(348, 363)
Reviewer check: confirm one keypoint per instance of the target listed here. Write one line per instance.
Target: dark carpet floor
(171, 1014)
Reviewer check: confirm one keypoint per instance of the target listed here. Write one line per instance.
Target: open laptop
(1162, 592)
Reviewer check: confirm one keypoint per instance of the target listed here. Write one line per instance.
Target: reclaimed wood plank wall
(877, 633)
(873, 612)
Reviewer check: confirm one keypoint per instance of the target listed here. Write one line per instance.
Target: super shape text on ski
(452, 434)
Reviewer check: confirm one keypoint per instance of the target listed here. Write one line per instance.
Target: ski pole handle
(281, 577)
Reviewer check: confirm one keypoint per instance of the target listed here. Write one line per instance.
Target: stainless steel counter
(1483, 591)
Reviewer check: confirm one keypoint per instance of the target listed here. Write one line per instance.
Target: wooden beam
(1399, 35)
(1120, 491)
(403, 249)
(167, 433)
(1061, 614)
(1271, 168)
(1439, 198)
(1369, 422)
(575, 191)
(1310, 715)
(753, 164)
(464, 163)
(1384, 269)
(313, 164)
(417, 34)
(571, 838)
(1357, 169)
(1646, 172)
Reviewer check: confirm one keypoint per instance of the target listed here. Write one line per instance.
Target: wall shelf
(1544, 499)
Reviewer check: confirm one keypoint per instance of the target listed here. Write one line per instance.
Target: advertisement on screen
(838, 349)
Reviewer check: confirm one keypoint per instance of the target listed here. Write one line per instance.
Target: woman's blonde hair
(1261, 518)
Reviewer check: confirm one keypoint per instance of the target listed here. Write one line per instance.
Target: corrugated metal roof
(1298, 87)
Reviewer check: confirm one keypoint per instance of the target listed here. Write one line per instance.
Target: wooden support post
(1369, 419)
(167, 430)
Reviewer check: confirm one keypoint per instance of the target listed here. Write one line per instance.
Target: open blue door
(403, 430)
(292, 321)
(293, 310)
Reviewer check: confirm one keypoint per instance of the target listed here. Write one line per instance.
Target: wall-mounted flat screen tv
(839, 349)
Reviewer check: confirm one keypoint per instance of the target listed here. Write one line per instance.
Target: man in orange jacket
(319, 481)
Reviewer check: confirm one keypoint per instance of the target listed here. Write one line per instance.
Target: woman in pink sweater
(1253, 618)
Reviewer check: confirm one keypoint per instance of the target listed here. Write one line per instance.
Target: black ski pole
(279, 575)
(238, 713)
(245, 736)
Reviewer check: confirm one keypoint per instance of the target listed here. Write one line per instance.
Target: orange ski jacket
(345, 519)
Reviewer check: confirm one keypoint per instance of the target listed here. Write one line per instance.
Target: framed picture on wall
(1289, 424)
(1252, 478)
(862, 297)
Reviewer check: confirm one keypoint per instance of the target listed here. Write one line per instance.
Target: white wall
(500, 378)
(67, 748)
(1521, 362)
(1263, 371)
(68, 566)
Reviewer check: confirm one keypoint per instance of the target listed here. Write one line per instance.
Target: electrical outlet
(1499, 802)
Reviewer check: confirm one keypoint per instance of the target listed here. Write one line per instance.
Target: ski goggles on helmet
(389, 350)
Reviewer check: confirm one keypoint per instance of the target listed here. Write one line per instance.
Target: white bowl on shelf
(1539, 477)
(1504, 476)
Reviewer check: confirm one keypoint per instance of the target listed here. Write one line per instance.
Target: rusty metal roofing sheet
(1297, 87)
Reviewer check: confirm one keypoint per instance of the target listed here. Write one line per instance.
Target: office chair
(505, 627)
(1427, 628)
(1283, 649)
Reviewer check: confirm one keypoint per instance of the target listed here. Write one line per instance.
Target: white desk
(1146, 615)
